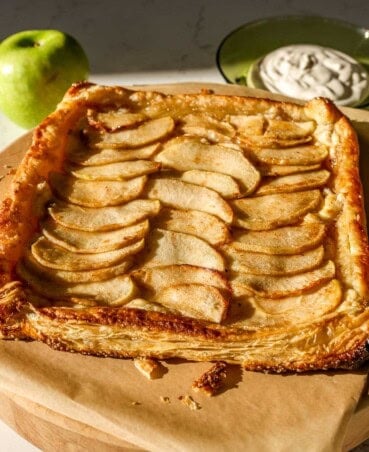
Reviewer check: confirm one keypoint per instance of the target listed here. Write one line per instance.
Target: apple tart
(203, 227)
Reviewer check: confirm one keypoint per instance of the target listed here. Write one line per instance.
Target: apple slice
(282, 286)
(301, 155)
(294, 182)
(65, 277)
(183, 195)
(288, 130)
(194, 222)
(105, 218)
(96, 193)
(249, 124)
(284, 170)
(267, 264)
(140, 303)
(225, 185)
(196, 301)
(304, 307)
(52, 256)
(113, 120)
(156, 279)
(93, 157)
(185, 153)
(272, 211)
(285, 240)
(111, 292)
(146, 133)
(204, 125)
(115, 171)
(172, 248)
(93, 242)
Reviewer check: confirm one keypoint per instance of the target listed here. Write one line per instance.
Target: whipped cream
(307, 71)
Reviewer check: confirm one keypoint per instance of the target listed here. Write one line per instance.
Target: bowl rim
(343, 23)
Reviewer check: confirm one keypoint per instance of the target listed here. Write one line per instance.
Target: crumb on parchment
(148, 367)
(189, 402)
(164, 399)
(212, 380)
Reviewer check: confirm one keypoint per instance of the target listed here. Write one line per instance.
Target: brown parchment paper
(311, 412)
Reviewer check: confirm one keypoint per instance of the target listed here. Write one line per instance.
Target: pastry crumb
(189, 402)
(6, 166)
(148, 367)
(135, 403)
(212, 380)
(165, 399)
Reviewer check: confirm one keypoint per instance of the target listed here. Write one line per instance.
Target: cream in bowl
(306, 71)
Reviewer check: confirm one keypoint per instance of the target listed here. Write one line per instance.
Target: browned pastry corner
(203, 227)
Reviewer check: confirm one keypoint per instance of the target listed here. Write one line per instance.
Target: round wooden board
(50, 430)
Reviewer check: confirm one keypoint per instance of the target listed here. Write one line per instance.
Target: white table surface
(151, 41)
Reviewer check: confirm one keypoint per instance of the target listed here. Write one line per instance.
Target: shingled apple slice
(96, 193)
(78, 241)
(66, 276)
(183, 195)
(52, 256)
(225, 185)
(284, 170)
(294, 182)
(115, 171)
(146, 133)
(204, 125)
(268, 264)
(271, 211)
(171, 248)
(157, 278)
(195, 300)
(92, 157)
(113, 120)
(105, 218)
(112, 292)
(282, 286)
(186, 153)
(194, 222)
(303, 307)
(285, 240)
(300, 155)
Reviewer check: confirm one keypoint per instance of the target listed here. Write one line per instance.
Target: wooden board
(51, 430)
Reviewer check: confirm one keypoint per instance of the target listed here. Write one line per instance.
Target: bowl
(241, 48)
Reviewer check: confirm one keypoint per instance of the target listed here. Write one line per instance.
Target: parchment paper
(263, 412)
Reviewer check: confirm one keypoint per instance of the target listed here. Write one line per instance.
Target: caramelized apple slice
(194, 222)
(204, 125)
(114, 119)
(111, 292)
(294, 182)
(186, 153)
(284, 170)
(304, 307)
(301, 155)
(105, 218)
(184, 195)
(96, 193)
(158, 278)
(282, 286)
(195, 300)
(66, 276)
(52, 256)
(286, 240)
(93, 242)
(271, 211)
(146, 133)
(225, 185)
(93, 157)
(267, 264)
(115, 171)
(172, 248)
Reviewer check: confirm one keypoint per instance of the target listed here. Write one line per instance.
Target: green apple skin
(36, 69)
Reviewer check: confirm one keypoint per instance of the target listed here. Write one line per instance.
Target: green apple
(36, 69)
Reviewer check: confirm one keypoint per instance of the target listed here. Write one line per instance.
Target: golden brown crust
(336, 340)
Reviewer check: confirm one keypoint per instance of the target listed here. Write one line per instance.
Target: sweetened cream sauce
(307, 71)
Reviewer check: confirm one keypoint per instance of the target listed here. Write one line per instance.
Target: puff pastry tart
(203, 227)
